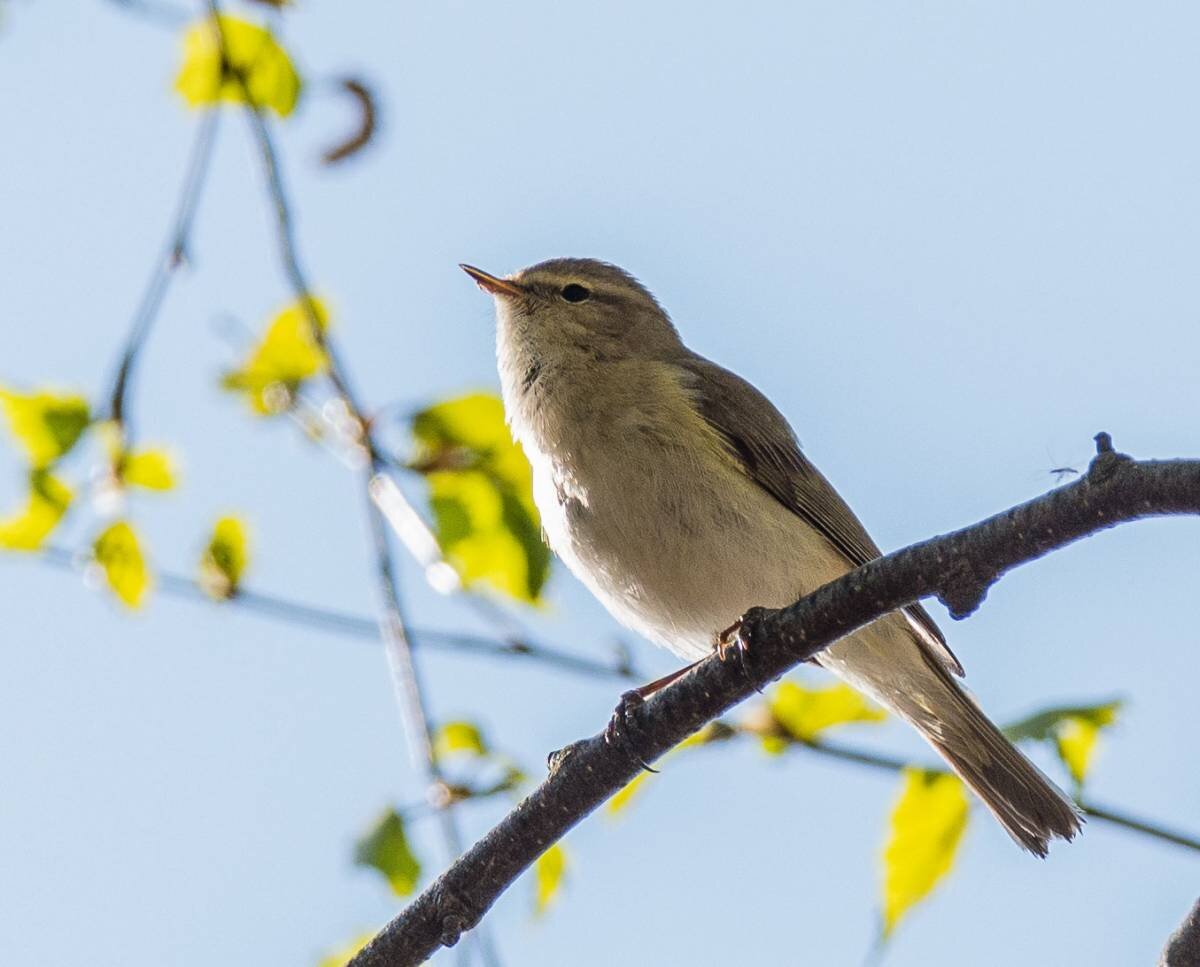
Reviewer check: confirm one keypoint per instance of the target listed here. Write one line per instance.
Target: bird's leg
(621, 726)
(733, 639)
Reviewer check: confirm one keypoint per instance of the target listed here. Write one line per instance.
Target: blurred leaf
(926, 828)
(343, 955)
(459, 737)
(1073, 729)
(286, 357)
(1044, 725)
(151, 469)
(119, 555)
(803, 713)
(549, 870)
(46, 425)
(481, 494)
(386, 849)
(1076, 745)
(253, 52)
(28, 528)
(624, 796)
(626, 793)
(225, 559)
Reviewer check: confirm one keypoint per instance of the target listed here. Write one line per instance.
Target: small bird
(679, 496)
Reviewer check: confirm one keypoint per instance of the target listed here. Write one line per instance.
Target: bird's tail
(1027, 804)
(1030, 808)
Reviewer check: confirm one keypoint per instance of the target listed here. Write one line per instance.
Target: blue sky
(951, 241)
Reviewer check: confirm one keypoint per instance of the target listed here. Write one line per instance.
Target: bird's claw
(734, 639)
(621, 727)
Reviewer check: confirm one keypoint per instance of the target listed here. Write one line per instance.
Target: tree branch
(173, 255)
(895, 764)
(956, 568)
(357, 626)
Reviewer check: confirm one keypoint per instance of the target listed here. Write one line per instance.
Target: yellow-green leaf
(119, 555)
(626, 793)
(1073, 729)
(28, 528)
(46, 425)
(481, 494)
(252, 51)
(385, 848)
(287, 355)
(225, 559)
(926, 828)
(151, 469)
(803, 713)
(549, 871)
(459, 737)
(1076, 745)
(343, 955)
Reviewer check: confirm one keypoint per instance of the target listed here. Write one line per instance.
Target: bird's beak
(489, 283)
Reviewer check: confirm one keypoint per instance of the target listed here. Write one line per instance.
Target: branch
(173, 255)
(956, 568)
(356, 626)
(1103, 814)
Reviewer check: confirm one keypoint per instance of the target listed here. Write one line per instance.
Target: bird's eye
(576, 293)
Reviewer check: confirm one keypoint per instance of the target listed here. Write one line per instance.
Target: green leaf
(46, 425)
(151, 469)
(481, 494)
(288, 355)
(549, 871)
(926, 829)
(385, 848)
(252, 52)
(1073, 729)
(119, 555)
(803, 713)
(343, 955)
(225, 559)
(28, 528)
(459, 737)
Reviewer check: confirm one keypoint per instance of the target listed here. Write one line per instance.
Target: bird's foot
(622, 728)
(735, 639)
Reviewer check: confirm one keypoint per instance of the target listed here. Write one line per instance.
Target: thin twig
(1143, 826)
(174, 253)
(342, 623)
(1123, 820)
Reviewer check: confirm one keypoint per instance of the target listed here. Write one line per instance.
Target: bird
(679, 496)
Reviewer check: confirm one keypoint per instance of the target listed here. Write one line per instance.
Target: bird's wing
(763, 443)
